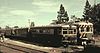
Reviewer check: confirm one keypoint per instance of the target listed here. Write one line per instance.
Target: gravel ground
(8, 48)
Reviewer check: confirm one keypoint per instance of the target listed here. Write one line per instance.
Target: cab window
(64, 32)
(82, 29)
(87, 29)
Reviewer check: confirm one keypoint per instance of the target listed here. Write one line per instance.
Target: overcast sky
(42, 12)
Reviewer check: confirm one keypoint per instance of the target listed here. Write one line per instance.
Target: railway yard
(60, 36)
(12, 46)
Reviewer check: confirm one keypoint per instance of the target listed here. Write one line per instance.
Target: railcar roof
(83, 23)
(20, 28)
(56, 25)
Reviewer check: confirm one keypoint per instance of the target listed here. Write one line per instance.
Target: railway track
(13, 46)
(10, 48)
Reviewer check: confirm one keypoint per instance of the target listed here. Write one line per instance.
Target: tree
(95, 18)
(92, 14)
(7, 27)
(73, 17)
(87, 11)
(62, 15)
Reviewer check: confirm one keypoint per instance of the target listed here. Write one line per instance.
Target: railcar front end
(85, 33)
(69, 33)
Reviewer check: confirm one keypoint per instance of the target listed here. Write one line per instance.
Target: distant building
(32, 24)
(16, 27)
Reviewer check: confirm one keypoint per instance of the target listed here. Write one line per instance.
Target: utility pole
(94, 2)
(29, 24)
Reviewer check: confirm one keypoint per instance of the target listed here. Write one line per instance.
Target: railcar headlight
(93, 38)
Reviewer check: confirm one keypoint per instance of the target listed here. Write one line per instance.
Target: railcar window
(91, 29)
(71, 32)
(82, 29)
(44, 31)
(87, 29)
(48, 31)
(64, 32)
(74, 31)
(41, 31)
